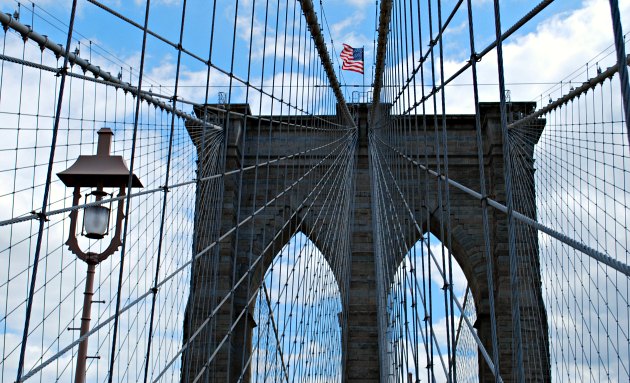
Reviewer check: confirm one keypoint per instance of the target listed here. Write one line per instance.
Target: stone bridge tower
(225, 202)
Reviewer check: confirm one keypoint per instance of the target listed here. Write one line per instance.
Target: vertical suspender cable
(112, 356)
(507, 170)
(484, 201)
(620, 46)
(245, 363)
(42, 218)
(201, 163)
(438, 168)
(164, 199)
(447, 265)
(234, 248)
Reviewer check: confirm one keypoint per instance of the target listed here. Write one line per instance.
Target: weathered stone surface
(223, 202)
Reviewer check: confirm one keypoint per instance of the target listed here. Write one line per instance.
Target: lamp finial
(104, 142)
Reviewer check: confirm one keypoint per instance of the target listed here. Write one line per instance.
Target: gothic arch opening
(297, 314)
(422, 324)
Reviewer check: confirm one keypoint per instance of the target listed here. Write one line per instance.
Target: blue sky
(566, 36)
(352, 22)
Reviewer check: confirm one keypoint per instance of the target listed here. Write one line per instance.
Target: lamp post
(97, 172)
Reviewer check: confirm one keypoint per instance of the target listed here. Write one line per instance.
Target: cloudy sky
(563, 38)
(566, 42)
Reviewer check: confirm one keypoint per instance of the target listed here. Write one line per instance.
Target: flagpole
(363, 89)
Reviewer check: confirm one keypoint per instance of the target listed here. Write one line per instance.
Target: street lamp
(97, 172)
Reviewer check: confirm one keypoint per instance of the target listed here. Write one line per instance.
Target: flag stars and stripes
(352, 58)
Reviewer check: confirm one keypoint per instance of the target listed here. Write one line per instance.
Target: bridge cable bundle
(447, 230)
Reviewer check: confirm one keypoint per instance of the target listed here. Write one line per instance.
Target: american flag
(352, 58)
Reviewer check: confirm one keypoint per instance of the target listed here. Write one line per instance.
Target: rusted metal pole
(79, 376)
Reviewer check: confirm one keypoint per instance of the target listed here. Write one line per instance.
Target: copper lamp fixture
(98, 172)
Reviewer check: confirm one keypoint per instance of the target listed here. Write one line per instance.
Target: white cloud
(581, 167)
(361, 3)
(59, 296)
(556, 47)
(560, 45)
(349, 22)
(305, 301)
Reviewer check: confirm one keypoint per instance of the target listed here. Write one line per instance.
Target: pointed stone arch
(317, 299)
(409, 289)
(357, 278)
(239, 261)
